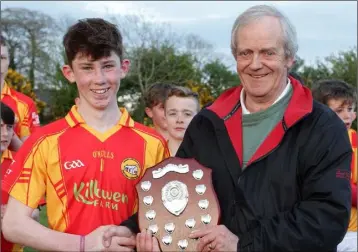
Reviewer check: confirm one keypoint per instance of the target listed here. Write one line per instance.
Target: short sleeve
(30, 122)
(25, 179)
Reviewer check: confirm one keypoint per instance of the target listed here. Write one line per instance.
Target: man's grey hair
(259, 11)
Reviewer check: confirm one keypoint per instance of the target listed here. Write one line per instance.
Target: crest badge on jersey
(130, 168)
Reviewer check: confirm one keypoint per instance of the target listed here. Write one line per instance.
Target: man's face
(157, 114)
(179, 112)
(261, 62)
(4, 61)
(97, 81)
(7, 131)
(344, 110)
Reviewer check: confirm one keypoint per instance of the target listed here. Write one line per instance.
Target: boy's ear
(354, 116)
(125, 67)
(68, 73)
(149, 112)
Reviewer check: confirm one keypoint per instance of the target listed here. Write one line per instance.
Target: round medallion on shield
(175, 197)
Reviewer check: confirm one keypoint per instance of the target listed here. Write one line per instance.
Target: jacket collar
(301, 103)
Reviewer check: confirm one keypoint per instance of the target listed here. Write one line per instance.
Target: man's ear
(290, 61)
(149, 112)
(125, 67)
(68, 73)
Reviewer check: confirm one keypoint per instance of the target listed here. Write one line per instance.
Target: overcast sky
(322, 27)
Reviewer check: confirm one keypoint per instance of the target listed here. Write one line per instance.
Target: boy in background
(181, 105)
(342, 98)
(154, 106)
(7, 132)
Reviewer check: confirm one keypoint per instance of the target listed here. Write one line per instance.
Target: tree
(342, 66)
(204, 92)
(219, 77)
(156, 65)
(18, 82)
(62, 94)
(157, 55)
(297, 66)
(33, 42)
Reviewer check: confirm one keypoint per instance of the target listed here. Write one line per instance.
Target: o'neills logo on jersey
(89, 193)
(130, 168)
(103, 154)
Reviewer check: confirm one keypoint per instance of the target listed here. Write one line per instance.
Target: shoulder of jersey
(50, 129)
(28, 100)
(147, 130)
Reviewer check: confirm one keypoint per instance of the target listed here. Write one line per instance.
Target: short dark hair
(156, 94)
(93, 37)
(3, 41)
(325, 90)
(179, 91)
(7, 114)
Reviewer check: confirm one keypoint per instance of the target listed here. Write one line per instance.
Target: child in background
(342, 98)
(181, 105)
(154, 106)
(7, 132)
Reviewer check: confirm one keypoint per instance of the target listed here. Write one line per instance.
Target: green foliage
(342, 66)
(219, 77)
(63, 96)
(164, 64)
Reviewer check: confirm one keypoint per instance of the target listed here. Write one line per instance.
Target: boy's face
(7, 131)
(97, 81)
(179, 112)
(156, 113)
(344, 110)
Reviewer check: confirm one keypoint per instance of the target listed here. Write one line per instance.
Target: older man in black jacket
(280, 161)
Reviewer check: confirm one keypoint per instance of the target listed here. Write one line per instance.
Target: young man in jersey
(87, 163)
(154, 106)
(27, 119)
(342, 99)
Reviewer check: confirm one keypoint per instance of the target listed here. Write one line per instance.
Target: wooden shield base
(192, 210)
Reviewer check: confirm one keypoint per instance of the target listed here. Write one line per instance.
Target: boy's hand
(3, 208)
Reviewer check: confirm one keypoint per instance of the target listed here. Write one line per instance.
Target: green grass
(43, 221)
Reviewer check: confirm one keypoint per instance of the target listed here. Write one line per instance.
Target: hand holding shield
(175, 197)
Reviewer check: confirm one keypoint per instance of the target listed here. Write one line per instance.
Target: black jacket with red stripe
(294, 194)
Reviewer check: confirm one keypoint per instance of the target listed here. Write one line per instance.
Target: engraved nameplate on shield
(175, 197)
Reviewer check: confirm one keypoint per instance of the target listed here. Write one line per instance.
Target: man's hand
(216, 238)
(118, 238)
(146, 242)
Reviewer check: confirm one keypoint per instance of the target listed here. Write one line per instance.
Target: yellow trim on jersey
(5, 90)
(22, 114)
(155, 150)
(125, 120)
(41, 168)
(6, 155)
